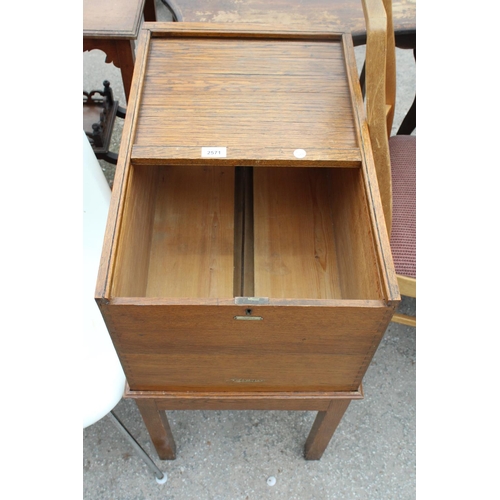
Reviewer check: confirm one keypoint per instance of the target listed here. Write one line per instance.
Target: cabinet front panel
(291, 348)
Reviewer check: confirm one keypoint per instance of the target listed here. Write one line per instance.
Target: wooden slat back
(380, 92)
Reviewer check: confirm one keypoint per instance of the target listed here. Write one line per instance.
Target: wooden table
(113, 26)
(334, 15)
(246, 263)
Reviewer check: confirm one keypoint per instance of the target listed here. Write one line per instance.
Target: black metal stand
(99, 113)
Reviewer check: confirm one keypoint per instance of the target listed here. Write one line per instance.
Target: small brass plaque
(249, 318)
(247, 380)
(254, 301)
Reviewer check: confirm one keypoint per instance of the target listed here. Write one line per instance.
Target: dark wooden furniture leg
(125, 61)
(150, 11)
(323, 428)
(158, 427)
(119, 52)
(409, 123)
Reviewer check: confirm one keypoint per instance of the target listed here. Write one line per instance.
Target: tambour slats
(260, 98)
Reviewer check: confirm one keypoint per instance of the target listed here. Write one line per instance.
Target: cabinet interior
(221, 232)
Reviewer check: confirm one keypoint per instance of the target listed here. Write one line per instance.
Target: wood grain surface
(112, 18)
(201, 347)
(308, 237)
(262, 99)
(296, 400)
(187, 234)
(192, 250)
(336, 15)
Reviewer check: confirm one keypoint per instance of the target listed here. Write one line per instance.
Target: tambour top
(243, 100)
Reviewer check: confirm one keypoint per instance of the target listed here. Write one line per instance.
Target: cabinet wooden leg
(323, 428)
(158, 427)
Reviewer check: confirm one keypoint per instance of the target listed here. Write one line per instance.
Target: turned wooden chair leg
(150, 11)
(125, 60)
(158, 427)
(323, 428)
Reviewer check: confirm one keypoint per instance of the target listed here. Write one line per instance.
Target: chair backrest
(380, 92)
(103, 378)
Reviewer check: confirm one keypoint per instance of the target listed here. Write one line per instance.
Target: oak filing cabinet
(246, 262)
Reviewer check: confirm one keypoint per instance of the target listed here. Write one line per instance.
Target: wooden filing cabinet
(246, 252)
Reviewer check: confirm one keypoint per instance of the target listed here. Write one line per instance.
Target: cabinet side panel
(359, 275)
(132, 261)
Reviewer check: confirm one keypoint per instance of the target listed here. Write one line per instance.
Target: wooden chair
(395, 157)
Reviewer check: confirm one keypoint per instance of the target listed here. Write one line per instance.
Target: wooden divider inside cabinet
(246, 259)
